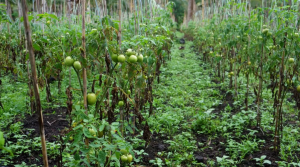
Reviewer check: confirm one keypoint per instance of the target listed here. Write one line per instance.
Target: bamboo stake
(35, 83)
(83, 52)
(84, 57)
(120, 24)
(203, 9)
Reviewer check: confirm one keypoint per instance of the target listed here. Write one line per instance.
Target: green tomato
(298, 88)
(91, 99)
(140, 58)
(121, 58)
(291, 60)
(48, 22)
(132, 59)
(114, 58)
(129, 158)
(130, 52)
(128, 92)
(77, 65)
(92, 131)
(124, 158)
(124, 152)
(231, 73)
(265, 31)
(100, 133)
(68, 61)
(121, 103)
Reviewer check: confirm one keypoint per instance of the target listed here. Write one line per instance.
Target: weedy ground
(197, 121)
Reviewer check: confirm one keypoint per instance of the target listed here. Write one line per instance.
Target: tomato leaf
(87, 133)
(36, 47)
(101, 157)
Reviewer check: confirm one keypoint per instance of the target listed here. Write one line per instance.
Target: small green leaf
(267, 162)
(36, 47)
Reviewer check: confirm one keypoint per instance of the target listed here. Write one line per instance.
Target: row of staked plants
(256, 52)
(120, 80)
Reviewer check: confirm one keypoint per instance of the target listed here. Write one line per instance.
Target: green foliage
(179, 9)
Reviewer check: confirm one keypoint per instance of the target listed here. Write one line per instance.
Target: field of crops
(137, 83)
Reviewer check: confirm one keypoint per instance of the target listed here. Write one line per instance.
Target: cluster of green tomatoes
(91, 97)
(132, 57)
(126, 157)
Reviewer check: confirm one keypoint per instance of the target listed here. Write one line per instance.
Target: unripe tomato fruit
(77, 65)
(124, 158)
(100, 133)
(129, 158)
(249, 63)
(114, 58)
(231, 73)
(298, 88)
(128, 92)
(140, 58)
(91, 130)
(132, 59)
(130, 52)
(69, 61)
(121, 103)
(91, 98)
(124, 152)
(48, 22)
(291, 60)
(121, 58)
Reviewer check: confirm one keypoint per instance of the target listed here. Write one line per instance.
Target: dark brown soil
(55, 120)
(156, 145)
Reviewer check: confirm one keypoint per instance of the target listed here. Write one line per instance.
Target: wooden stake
(84, 57)
(120, 24)
(35, 83)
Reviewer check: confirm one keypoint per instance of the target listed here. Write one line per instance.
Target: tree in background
(179, 10)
